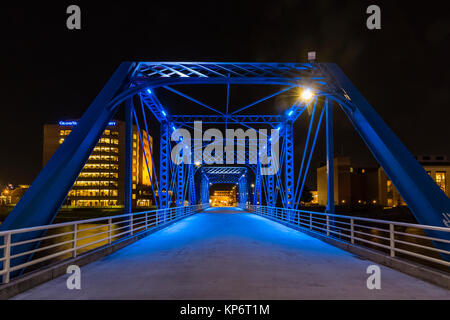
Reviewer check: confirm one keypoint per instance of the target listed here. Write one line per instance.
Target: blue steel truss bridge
(181, 189)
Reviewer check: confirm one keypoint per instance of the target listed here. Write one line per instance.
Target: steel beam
(289, 165)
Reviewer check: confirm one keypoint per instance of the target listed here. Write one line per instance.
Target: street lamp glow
(197, 163)
(307, 94)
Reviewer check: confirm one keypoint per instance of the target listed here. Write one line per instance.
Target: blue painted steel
(128, 183)
(289, 188)
(179, 201)
(42, 201)
(45, 196)
(311, 152)
(330, 157)
(257, 189)
(243, 191)
(164, 159)
(427, 201)
(297, 196)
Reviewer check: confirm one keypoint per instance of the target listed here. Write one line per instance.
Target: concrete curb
(35, 278)
(427, 274)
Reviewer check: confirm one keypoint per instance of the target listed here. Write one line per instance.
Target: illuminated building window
(440, 180)
(61, 140)
(134, 197)
(134, 185)
(61, 132)
(115, 133)
(115, 141)
(67, 132)
(107, 132)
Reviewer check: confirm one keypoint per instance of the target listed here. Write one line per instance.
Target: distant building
(12, 194)
(101, 182)
(370, 185)
(437, 166)
(222, 198)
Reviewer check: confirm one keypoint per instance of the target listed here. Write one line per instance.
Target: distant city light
(307, 94)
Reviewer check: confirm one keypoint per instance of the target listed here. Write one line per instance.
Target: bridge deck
(227, 254)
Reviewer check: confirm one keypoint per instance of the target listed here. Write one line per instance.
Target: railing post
(74, 244)
(146, 220)
(392, 240)
(7, 255)
(310, 221)
(328, 226)
(109, 231)
(131, 224)
(352, 231)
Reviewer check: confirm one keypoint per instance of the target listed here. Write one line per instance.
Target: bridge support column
(330, 159)
(180, 187)
(257, 190)
(128, 184)
(289, 167)
(243, 192)
(164, 159)
(204, 191)
(191, 188)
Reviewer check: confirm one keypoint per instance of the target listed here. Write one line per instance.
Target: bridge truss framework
(177, 183)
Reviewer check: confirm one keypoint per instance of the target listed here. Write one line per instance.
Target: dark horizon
(52, 74)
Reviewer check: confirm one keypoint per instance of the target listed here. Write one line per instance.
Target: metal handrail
(319, 222)
(134, 223)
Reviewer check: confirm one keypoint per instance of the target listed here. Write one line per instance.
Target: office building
(370, 185)
(101, 181)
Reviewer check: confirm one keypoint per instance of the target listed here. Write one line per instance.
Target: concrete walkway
(230, 254)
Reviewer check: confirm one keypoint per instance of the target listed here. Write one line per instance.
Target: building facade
(437, 166)
(370, 185)
(101, 181)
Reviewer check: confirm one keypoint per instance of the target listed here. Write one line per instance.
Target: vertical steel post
(7, 256)
(74, 243)
(128, 194)
(289, 168)
(109, 231)
(164, 166)
(352, 231)
(330, 157)
(392, 239)
(330, 160)
(180, 187)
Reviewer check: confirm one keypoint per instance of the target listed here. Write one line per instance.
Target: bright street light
(307, 94)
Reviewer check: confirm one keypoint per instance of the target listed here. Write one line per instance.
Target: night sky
(50, 73)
